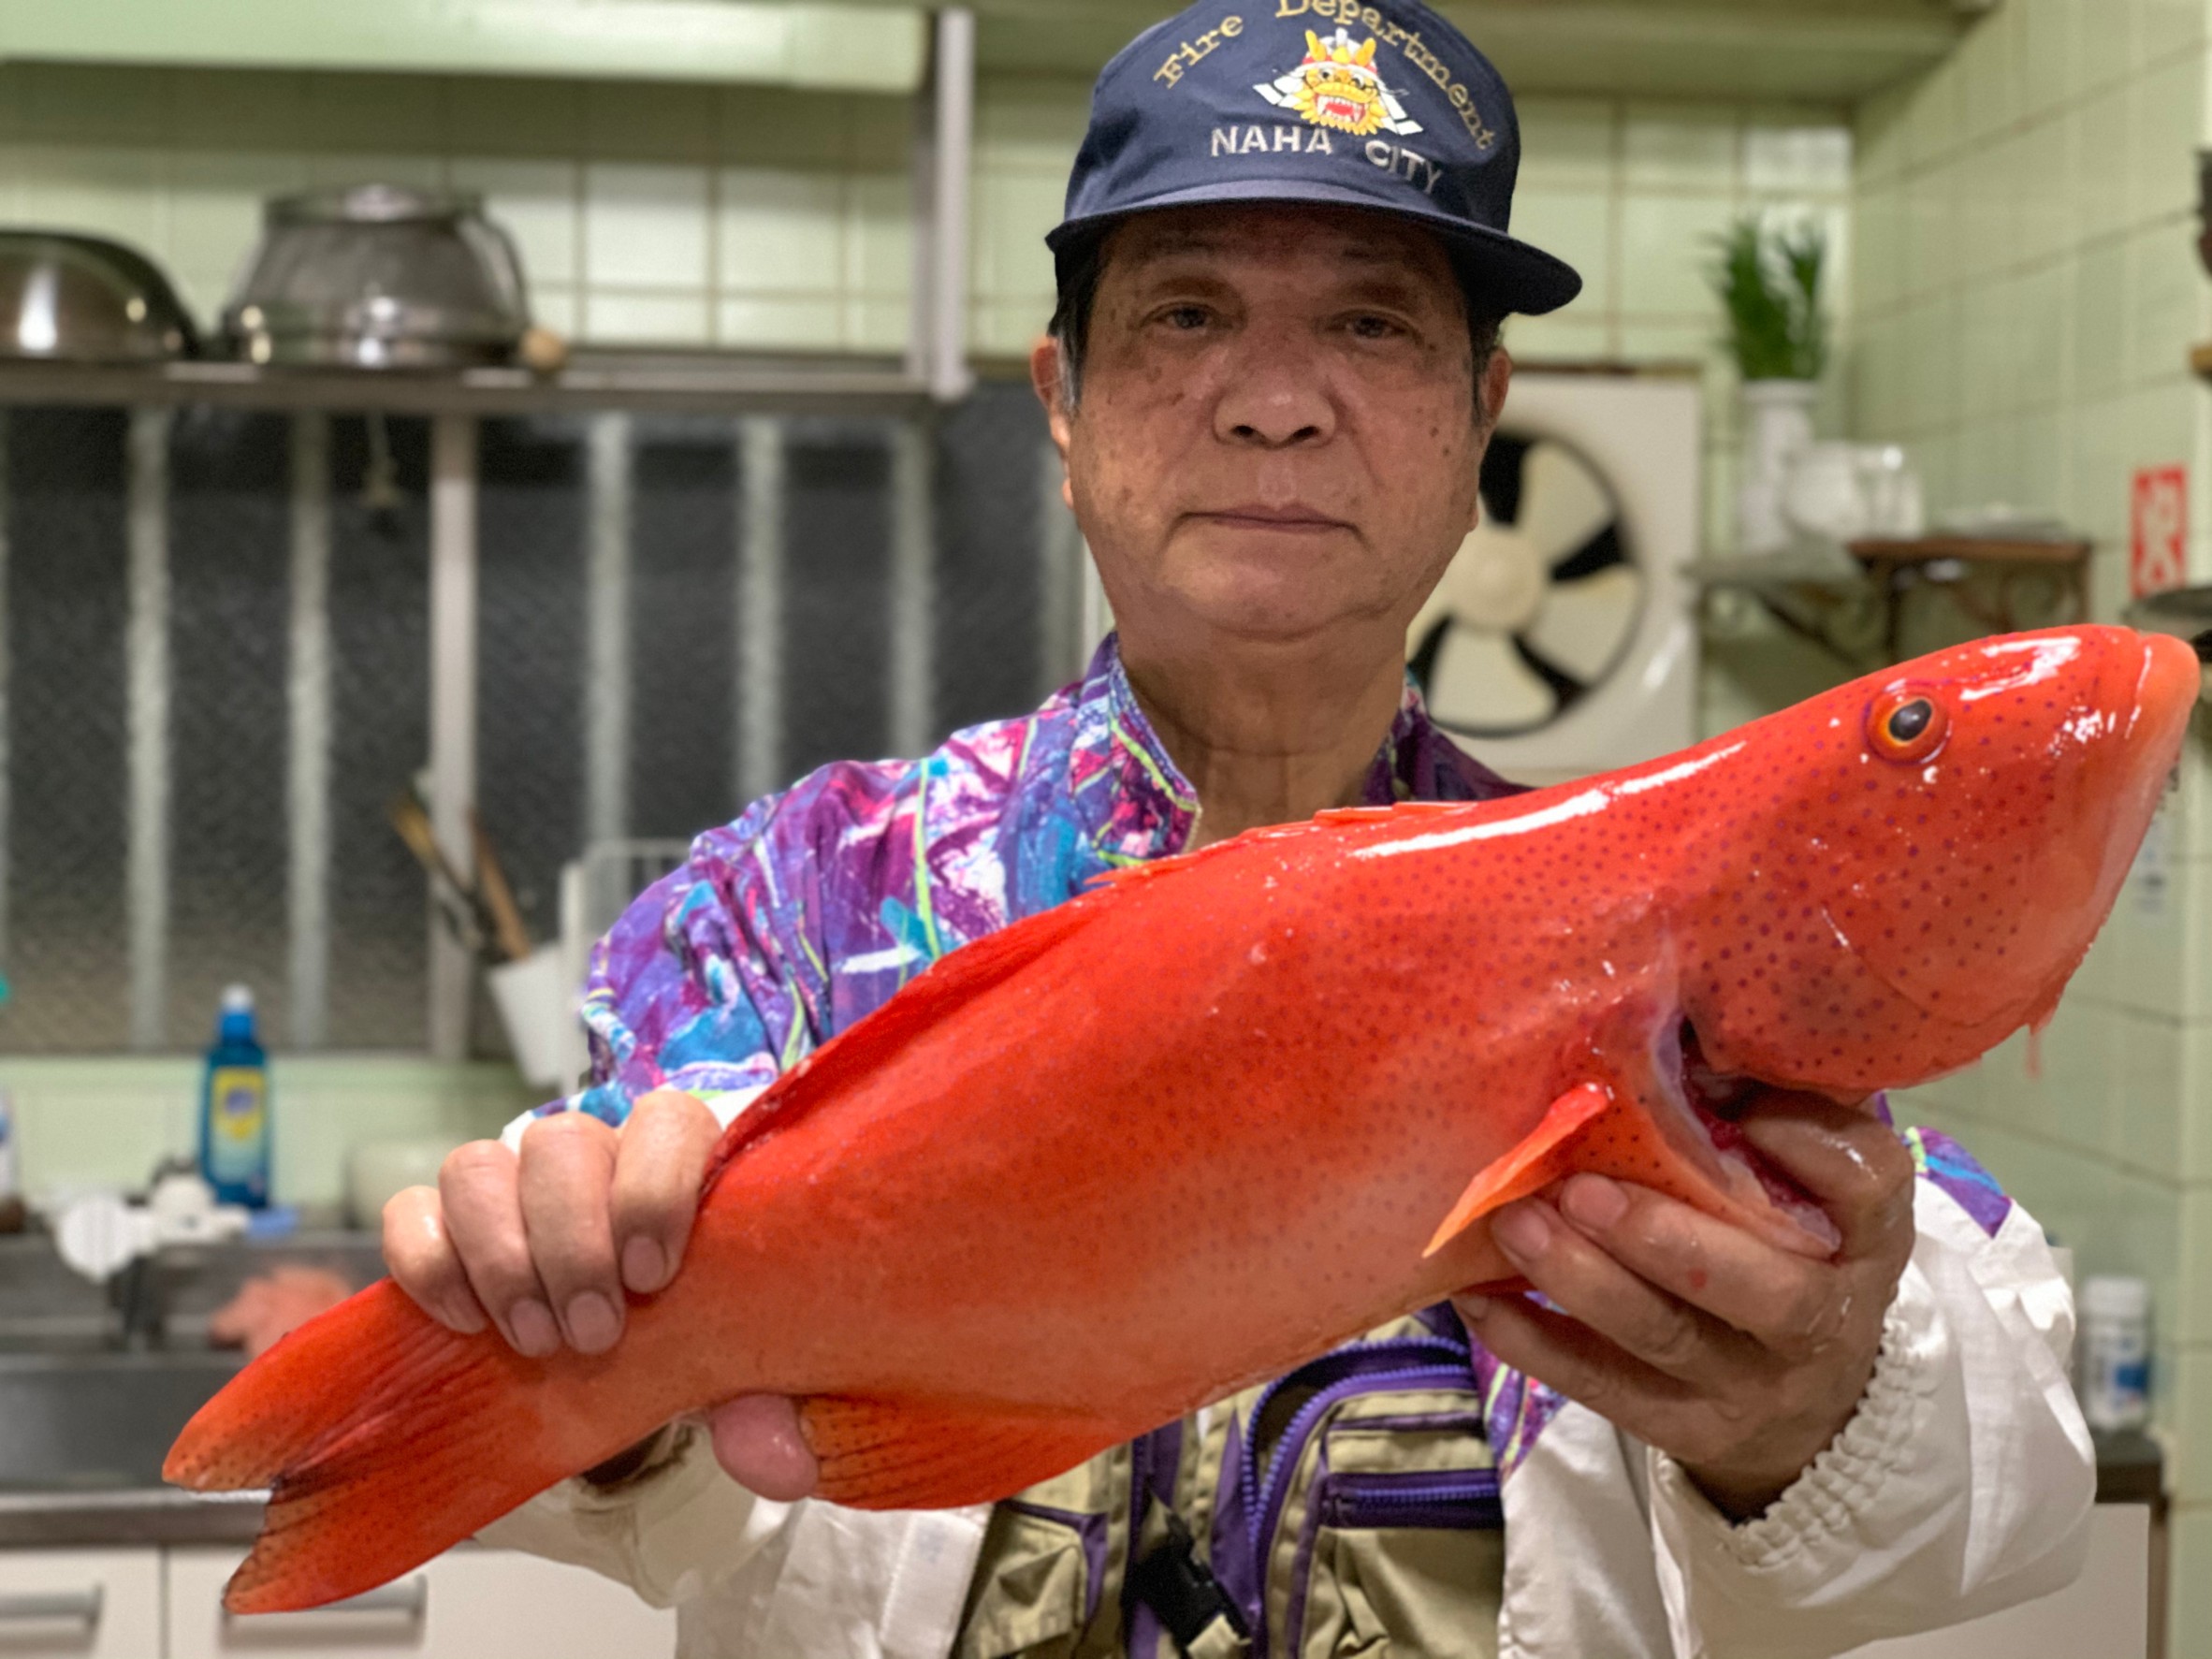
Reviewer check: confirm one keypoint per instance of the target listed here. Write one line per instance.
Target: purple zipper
(1464, 1500)
(1366, 1366)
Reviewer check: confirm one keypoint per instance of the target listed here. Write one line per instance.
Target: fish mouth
(1710, 1106)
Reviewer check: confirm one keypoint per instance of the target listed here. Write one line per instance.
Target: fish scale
(1227, 1111)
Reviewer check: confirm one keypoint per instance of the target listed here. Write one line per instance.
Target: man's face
(1277, 432)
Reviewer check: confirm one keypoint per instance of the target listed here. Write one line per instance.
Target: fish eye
(1907, 724)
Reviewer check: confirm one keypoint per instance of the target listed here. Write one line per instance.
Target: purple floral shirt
(816, 905)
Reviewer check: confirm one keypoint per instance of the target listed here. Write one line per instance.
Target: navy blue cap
(1376, 104)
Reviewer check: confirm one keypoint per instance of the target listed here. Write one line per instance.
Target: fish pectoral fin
(904, 1454)
(1530, 1167)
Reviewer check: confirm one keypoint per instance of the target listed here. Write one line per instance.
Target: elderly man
(1272, 374)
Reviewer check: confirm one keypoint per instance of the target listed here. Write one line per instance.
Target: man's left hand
(1738, 1359)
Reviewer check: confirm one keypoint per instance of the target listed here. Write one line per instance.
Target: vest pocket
(1037, 1596)
(1404, 1593)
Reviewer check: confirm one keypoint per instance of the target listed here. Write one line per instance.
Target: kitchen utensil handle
(509, 930)
(409, 1597)
(80, 1605)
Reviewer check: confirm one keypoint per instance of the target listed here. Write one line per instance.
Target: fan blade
(1480, 684)
(1563, 503)
(1602, 551)
(1584, 624)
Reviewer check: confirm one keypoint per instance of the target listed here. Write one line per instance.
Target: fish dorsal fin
(952, 981)
(1329, 817)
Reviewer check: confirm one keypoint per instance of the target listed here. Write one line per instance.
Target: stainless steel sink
(99, 1421)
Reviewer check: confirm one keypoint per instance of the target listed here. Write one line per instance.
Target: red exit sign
(2158, 555)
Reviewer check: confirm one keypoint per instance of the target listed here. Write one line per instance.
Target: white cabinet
(88, 1604)
(469, 1604)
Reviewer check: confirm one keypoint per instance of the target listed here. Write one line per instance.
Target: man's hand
(544, 1247)
(1740, 1360)
(270, 1306)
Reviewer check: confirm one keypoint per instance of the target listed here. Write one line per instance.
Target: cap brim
(1513, 274)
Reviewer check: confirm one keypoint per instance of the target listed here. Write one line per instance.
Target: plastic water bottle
(2116, 1352)
(234, 1119)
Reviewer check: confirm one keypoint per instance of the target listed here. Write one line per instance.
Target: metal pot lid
(373, 204)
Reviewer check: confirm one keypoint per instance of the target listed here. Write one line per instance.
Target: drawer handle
(80, 1605)
(409, 1599)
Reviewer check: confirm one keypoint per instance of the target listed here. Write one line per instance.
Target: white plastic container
(537, 1005)
(2116, 1352)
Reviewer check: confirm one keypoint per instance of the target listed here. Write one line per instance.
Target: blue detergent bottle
(234, 1119)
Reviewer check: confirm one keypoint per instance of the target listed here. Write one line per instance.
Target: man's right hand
(545, 1245)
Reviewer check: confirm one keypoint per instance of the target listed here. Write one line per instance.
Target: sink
(99, 1421)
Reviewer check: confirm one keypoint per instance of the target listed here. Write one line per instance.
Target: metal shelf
(593, 382)
(1854, 609)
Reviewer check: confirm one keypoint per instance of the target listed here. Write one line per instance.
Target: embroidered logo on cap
(1337, 87)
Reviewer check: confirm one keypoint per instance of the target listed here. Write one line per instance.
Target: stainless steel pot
(84, 299)
(379, 276)
(2184, 612)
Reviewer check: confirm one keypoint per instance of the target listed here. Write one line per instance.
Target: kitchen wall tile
(380, 114)
(879, 236)
(1931, 125)
(647, 319)
(2043, 186)
(105, 192)
(2166, 117)
(1569, 143)
(1878, 251)
(557, 306)
(95, 103)
(779, 322)
(1989, 69)
(2188, 1416)
(1003, 328)
(2192, 1315)
(2167, 311)
(658, 121)
(216, 200)
(2101, 127)
(1666, 249)
(340, 168)
(770, 126)
(645, 226)
(883, 324)
(2144, 1127)
(1930, 230)
(2046, 45)
(1012, 214)
(2040, 483)
(781, 232)
(878, 132)
(1687, 148)
(2190, 1629)
(539, 203)
(2100, 333)
(2042, 321)
(2104, 43)
(1938, 355)
(1577, 226)
(1879, 135)
(514, 115)
(1037, 121)
(2165, 29)
(1990, 312)
(1796, 160)
(1572, 336)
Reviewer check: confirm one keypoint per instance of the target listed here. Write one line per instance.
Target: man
(1272, 377)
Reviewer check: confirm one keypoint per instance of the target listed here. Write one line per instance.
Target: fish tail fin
(384, 1439)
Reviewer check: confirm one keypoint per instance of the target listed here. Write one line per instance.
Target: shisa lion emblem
(1337, 87)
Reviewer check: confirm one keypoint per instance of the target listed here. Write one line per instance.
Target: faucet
(120, 1244)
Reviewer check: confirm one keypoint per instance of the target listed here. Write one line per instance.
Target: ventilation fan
(1542, 602)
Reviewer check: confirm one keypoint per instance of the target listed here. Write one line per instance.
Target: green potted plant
(1769, 281)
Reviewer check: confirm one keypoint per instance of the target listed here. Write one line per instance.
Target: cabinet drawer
(469, 1604)
(103, 1604)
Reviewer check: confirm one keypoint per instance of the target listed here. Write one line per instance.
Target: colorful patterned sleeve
(714, 980)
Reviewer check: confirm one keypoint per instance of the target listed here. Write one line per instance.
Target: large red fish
(1190, 1129)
